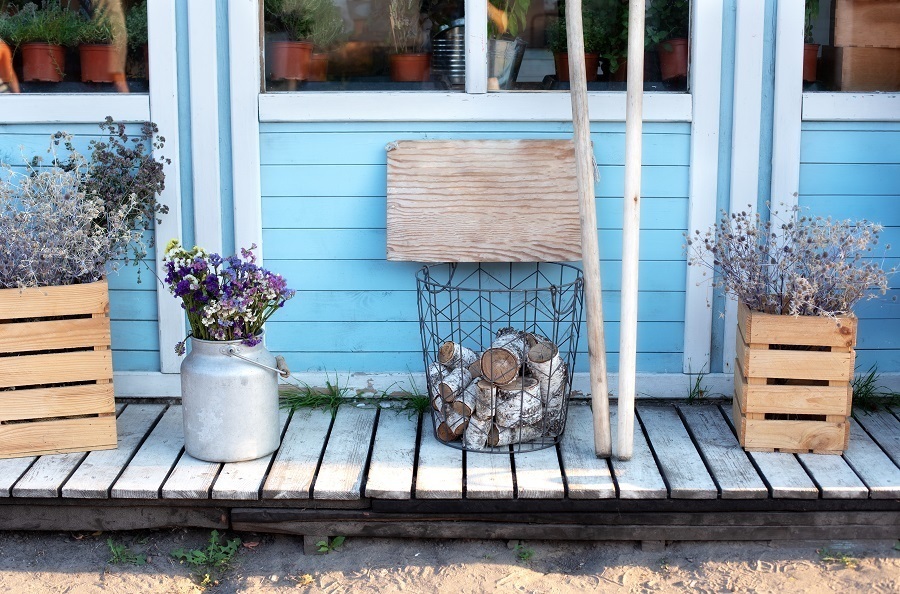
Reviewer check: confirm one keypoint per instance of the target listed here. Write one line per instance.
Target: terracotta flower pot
(291, 60)
(673, 58)
(97, 63)
(810, 58)
(621, 73)
(410, 67)
(44, 62)
(591, 65)
(318, 68)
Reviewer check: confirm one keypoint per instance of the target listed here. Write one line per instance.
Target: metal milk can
(229, 397)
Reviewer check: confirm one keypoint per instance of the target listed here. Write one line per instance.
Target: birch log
(475, 368)
(453, 425)
(519, 403)
(630, 229)
(548, 368)
(454, 383)
(465, 404)
(452, 354)
(501, 436)
(485, 399)
(500, 364)
(476, 434)
(590, 250)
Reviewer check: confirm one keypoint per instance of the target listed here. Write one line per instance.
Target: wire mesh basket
(499, 343)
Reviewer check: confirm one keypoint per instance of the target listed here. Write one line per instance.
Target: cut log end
(499, 365)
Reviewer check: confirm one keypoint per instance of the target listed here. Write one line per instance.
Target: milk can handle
(281, 370)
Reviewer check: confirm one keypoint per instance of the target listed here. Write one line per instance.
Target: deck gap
(756, 467)
(659, 467)
(312, 483)
(419, 423)
(69, 476)
(159, 490)
(262, 483)
(562, 470)
(16, 482)
(697, 447)
(465, 490)
(135, 451)
(512, 468)
(212, 483)
(365, 473)
(812, 477)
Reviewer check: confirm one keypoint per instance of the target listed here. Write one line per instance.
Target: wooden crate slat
(57, 436)
(47, 475)
(763, 328)
(873, 23)
(482, 201)
(735, 475)
(587, 476)
(393, 456)
(800, 400)
(292, 473)
(885, 429)
(872, 465)
(834, 477)
(242, 480)
(42, 302)
(538, 475)
(681, 463)
(766, 435)
(51, 335)
(488, 476)
(343, 464)
(439, 474)
(797, 365)
(860, 68)
(66, 401)
(55, 368)
(98, 472)
(639, 477)
(144, 476)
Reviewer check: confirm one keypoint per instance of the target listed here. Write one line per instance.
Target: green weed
(329, 546)
(120, 553)
(523, 553)
(415, 402)
(304, 396)
(697, 391)
(869, 395)
(209, 563)
(829, 556)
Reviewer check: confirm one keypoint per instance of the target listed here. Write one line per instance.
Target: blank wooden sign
(482, 201)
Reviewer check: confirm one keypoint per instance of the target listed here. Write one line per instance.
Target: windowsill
(851, 107)
(73, 108)
(443, 106)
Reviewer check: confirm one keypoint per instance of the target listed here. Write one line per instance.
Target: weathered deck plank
(488, 476)
(639, 477)
(242, 480)
(47, 474)
(538, 475)
(872, 465)
(393, 456)
(681, 463)
(439, 474)
(587, 476)
(294, 469)
(732, 470)
(96, 475)
(11, 469)
(833, 476)
(344, 462)
(885, 428)
(191, 479)
(143, 477)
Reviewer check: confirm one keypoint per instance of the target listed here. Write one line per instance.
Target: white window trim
(73, 108)
(851, 107)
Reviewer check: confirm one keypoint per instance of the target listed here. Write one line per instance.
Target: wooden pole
(590, 251)
(630, 228)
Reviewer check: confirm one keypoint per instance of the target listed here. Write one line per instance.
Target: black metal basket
(530, 313)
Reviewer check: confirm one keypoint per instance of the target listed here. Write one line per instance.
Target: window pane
(527, 44)
(851, 46)
(73, 46)
(364, 45)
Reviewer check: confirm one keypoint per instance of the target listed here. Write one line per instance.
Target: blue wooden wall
(324, 188)
(852, 171)
(135, 337)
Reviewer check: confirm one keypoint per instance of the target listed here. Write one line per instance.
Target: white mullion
(788, 106)
(476, 46)
(706, 84)
(745, 144)
(244, 49)
(164, 112)
(205, 124)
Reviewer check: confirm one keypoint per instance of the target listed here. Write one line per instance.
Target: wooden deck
(382, 473)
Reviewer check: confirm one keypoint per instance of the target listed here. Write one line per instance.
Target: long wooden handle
(590, 251)
(631, 225)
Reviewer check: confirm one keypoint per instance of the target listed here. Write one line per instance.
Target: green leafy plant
(98, 30)
(666, 20)
(697, 391)
(120, 553)
(292, 17)
(208, 563)
(594, 30)
(810, 15)
(831, 556)
(523, 553)
(136, 23)
(329, 546)
(516, 16)
(305, 396)
(869, 395)
(327, 30)
(48, 23)
(406, 21)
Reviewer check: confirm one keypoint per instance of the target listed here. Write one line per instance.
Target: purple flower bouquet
(225, 298)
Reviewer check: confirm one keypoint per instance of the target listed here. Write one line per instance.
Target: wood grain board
(488, 476)
(872, 23)
(145, 474)
(439, 474)
(294, 469)
(482, 201)
(679, 460)
(393, 455)
(538, 475)
(587, 476)
(242, 480)
(344, 462)
(45, 302)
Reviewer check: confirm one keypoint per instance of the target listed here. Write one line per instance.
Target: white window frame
(851, 107)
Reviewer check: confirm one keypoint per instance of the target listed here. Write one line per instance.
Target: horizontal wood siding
(852, 171)
(132, 292)
(324, 188)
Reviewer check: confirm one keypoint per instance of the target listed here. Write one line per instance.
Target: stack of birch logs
(513, 392)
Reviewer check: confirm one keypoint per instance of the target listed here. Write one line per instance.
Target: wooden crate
(56, 390)
(860, 68)
(866, 23)
(792, 382)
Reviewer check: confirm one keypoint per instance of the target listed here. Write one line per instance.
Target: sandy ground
(73, 563)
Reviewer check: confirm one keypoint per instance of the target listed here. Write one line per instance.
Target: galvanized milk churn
(229, 397)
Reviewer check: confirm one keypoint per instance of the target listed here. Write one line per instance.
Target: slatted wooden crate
(792, 381)
(861, 68)
(866, 23)
(56, 390)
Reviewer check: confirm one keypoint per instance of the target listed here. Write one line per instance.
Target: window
(73, 46)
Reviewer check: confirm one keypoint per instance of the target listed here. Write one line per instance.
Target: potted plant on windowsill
(594, 37)
(102, 48)
(229, 381)
(408, 62)
(66, 223)
(43, 33)
(136, 24)
(667, 31)
(326, 33)
(506, 19)
(810, 49)
(797, 281)
(290, 57)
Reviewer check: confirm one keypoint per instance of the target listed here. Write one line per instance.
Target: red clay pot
(97, 62)
(44, 62)
(810, 59)
(291, 60)
(410, 67)
(621, 74)
(318, 68)
(673, 58)
(591, 65)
